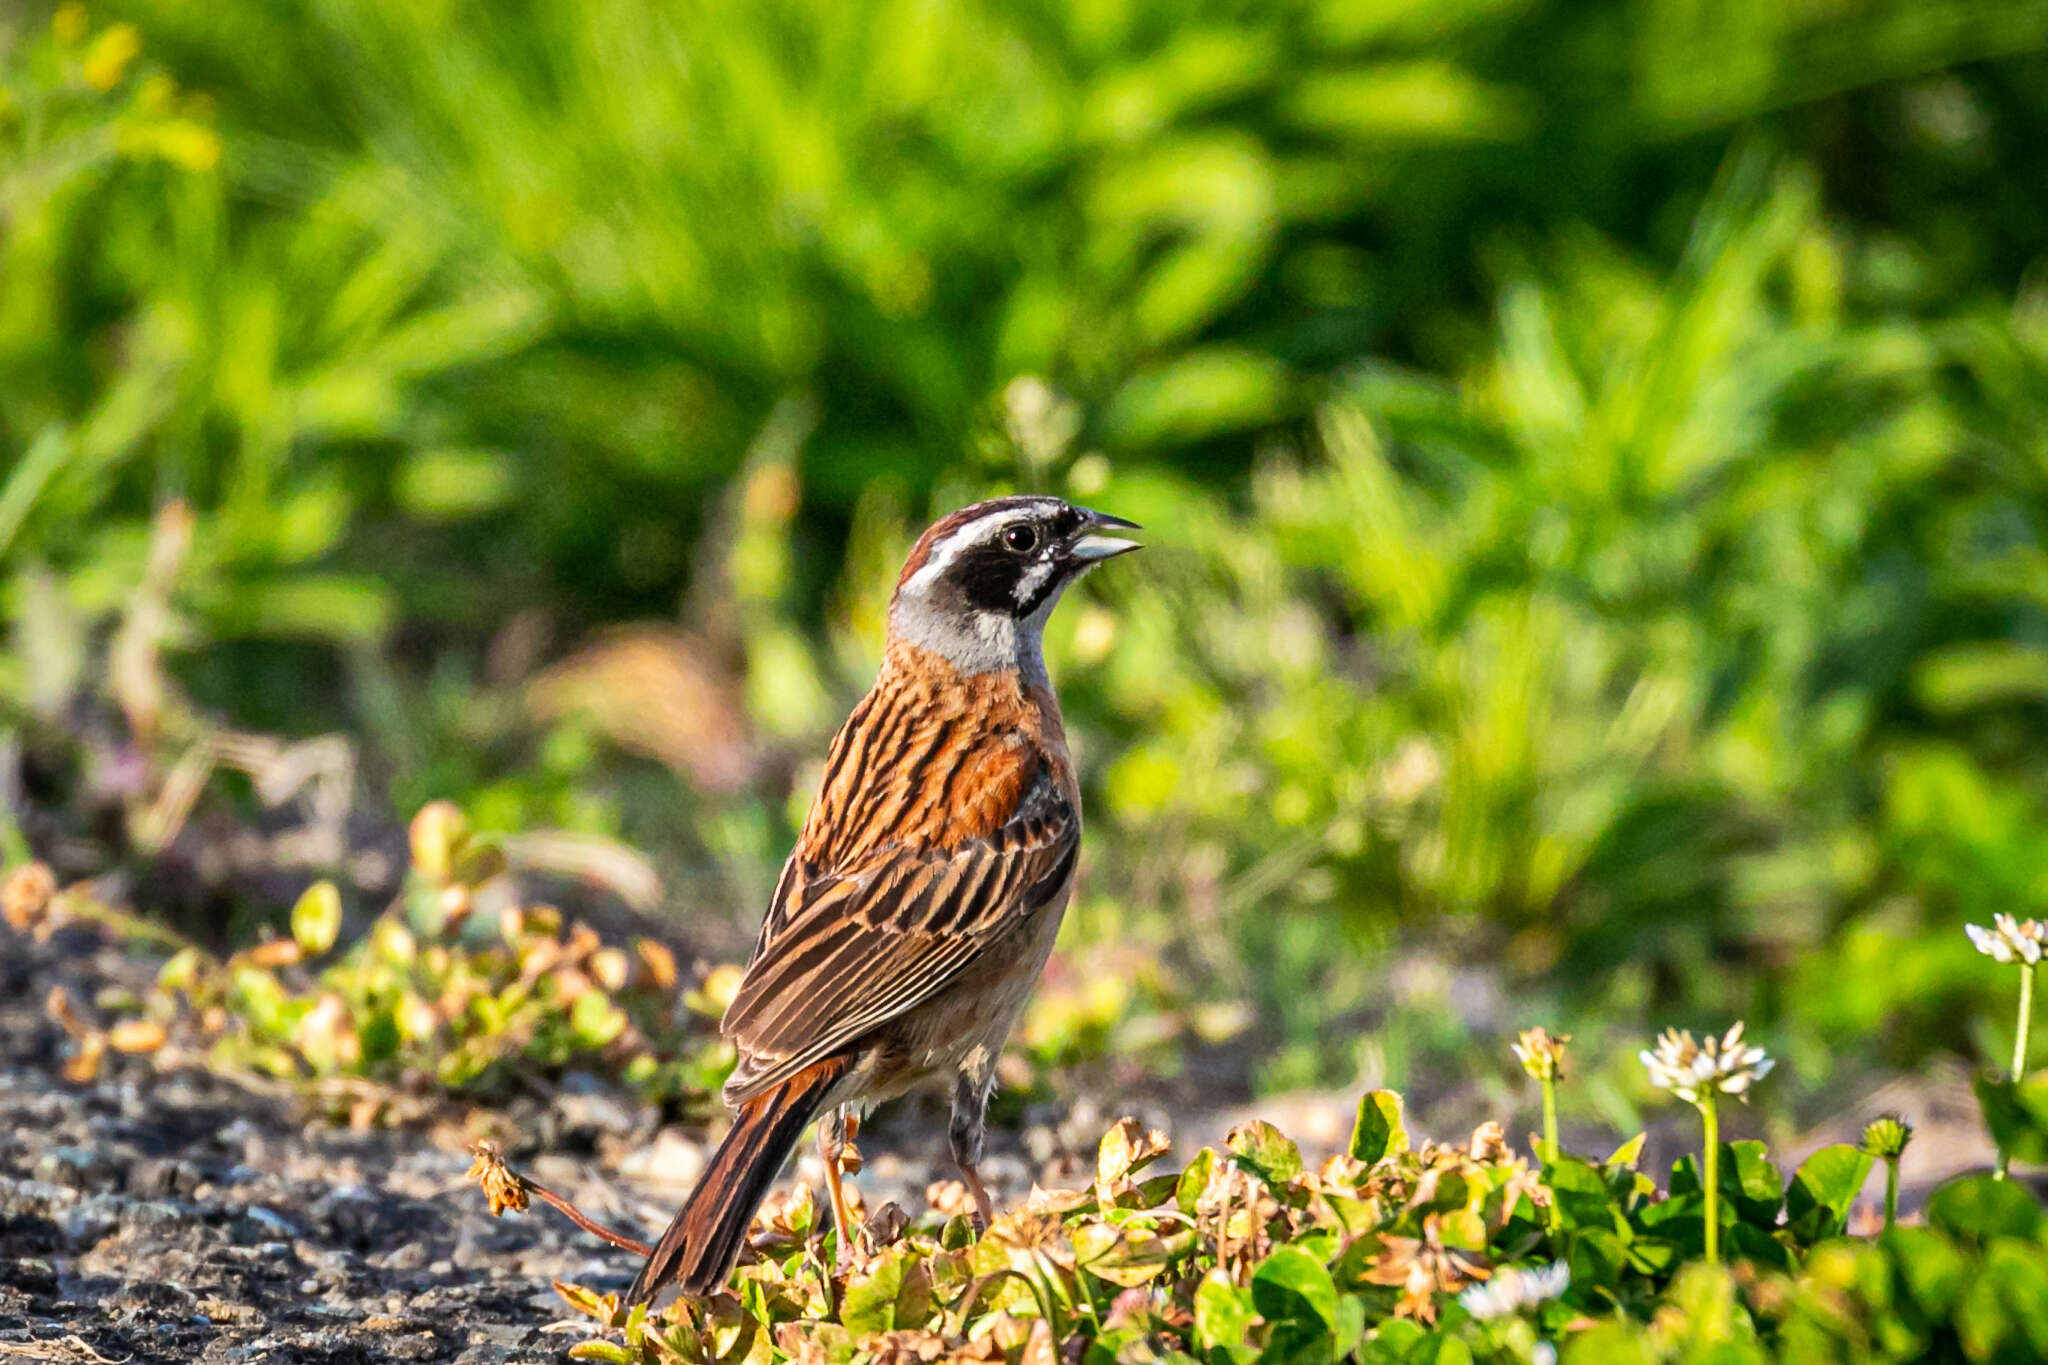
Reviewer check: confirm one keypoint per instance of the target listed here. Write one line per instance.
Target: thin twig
(505, 1188)
(587, 1223)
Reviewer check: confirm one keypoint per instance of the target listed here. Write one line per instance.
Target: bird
(927, 884)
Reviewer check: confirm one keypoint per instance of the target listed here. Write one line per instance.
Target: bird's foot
(984, 1208)
(850, 1257)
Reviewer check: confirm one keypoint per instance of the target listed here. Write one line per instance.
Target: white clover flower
(2010, 940)
(1541, 1054)
(1513, 1289)
(1689, 1069)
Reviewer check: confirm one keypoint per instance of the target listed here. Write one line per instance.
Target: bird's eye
(1022, 539)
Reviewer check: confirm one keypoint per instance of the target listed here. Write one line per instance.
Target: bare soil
(171, 1214)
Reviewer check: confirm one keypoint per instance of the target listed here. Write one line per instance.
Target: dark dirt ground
(162, 1214)
(154, 1216)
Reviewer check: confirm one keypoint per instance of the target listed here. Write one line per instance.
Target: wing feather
(844, 952)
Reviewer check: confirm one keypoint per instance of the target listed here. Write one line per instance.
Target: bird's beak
(1091, 546)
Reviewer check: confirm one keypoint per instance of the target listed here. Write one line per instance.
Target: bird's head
(979, 584)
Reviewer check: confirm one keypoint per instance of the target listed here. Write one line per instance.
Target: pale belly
(962, 1029)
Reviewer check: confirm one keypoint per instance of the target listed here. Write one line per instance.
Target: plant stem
(2019, 1044)
(1556, 1218)
(1891, 1192)
(79, 904)
(1713, 1177)
(585, 1221)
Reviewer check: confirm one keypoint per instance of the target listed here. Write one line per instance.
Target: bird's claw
(847, 1259)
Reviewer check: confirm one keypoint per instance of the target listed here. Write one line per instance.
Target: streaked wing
(852, 949)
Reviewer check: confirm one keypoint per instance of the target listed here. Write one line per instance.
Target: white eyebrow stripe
(977, 532)
(936, 563)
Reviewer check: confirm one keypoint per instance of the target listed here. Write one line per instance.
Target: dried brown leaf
(502, 1187)
(137, 1035)
(84, 1066)
(64, 1012)
(26, 894)
(659, 963)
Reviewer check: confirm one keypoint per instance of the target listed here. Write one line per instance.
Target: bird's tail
(704, 1239)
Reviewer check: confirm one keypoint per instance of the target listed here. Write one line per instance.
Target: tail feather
(704, 1239)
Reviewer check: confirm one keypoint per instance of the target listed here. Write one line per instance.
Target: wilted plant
(2011, 940)
(1699, 1074)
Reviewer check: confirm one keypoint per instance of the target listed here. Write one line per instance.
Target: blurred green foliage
(1593, 455)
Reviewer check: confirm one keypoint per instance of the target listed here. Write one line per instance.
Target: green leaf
(1710, 1305)
(1581, 1193)
(2016, 1112)
(1653, 1255)
(1128, 1256)
(1628, 1154)
(1266, 1152)
(1195, 1179)
(256, 995)
(1611, 1343)
(602, 1350)
(588, 1302)
(1980, 673)
(1198, 393)
(1291, 1285)
(1293, 1291)
(1378, 1131)
(1223, 1312)
(1399, 1335)
(341, 608)
(1350, 1325)
(1930, 1266)
(595, 1020)
(316, 918)
(180, 971)
(1980, 1207)
(1751, 1189)
(1463, 1228)
(1596, 1256)
(1442, 1191)
(1824, 1189)
(1751, 1183)
(479, 860)
(1449, 1351)
(451, 484)
(2021, 1277)
(1424, 102)
(894, 1293)
(1759, 1243)
(2003, 1314)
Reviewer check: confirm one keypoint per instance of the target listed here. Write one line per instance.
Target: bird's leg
(832, 1139)
(965, 1131)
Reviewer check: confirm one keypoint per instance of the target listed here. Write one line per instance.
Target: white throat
(976, 641)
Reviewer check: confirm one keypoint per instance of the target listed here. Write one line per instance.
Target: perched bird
(922, 899)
